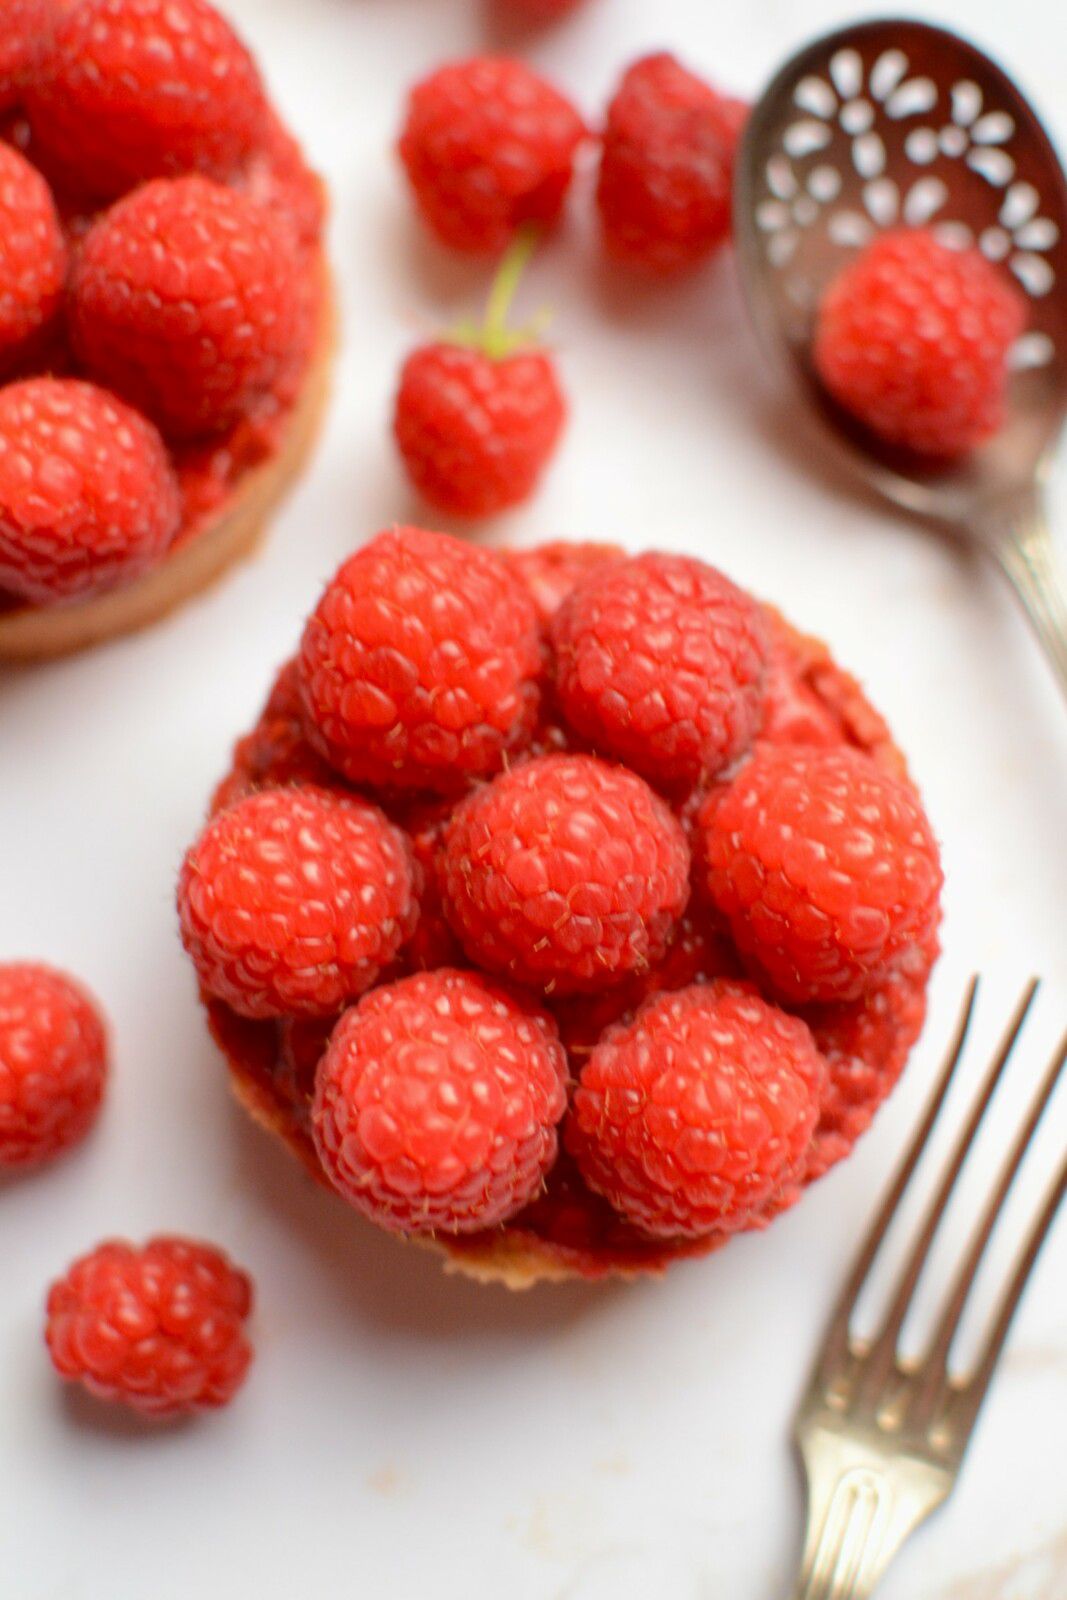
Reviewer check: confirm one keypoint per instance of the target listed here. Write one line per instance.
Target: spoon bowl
(898, 123)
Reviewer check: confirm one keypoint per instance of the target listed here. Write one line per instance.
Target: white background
(405, 1435)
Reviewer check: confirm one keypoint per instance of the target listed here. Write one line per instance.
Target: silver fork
(882, 1438)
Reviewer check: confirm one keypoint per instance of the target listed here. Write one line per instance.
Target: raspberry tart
(165, 315)
(564, 911)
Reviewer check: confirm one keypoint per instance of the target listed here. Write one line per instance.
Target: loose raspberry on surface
(88, 497)
(487, 146)
(566, 874)
(698, 1115)
(420, 663)
(185, 299)
(22, 38)
(159, 1328)
(551, 571)
(660, 663)
(33, 256)
(136, 89)
(825, 868)
(913, 339)
(437, 1102)
(666, 166)
(292, 901)
(53, 1063)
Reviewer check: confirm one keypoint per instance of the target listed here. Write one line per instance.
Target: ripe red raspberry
(437, 1101)
(659, 662)
(550, 571)
(88, 497)
(53, 1063)
(488, 145)
(698, 1115)
(666, 167)
(565, 873)
(865, 1044)
(33, 255)
(22, 37)
(185, 299)
(293, 900)
(420, 663)
(913, 338)
(824, 866)
(476, 431)
(136, 89)
(159, 1328)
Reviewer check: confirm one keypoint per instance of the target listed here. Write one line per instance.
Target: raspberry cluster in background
(161, 287)
(564, 908)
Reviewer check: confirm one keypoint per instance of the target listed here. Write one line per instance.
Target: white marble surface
(404, 1435)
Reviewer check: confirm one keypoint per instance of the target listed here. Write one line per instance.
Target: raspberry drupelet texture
(159, 1328)
(53, 1063)
(437, 1101)
(666, 166)
(22, 37)
(476, 431)
(487, 146)
(913, 339)
(566, 874)
(697, 1116)
(292, 901)
(660, 663)
(185, 299)
(88, 497)
(33, 257)
(825, 868)
(551, 571)
(420, 663)
(136, 89)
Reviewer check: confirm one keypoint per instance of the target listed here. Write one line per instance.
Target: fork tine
(837, 1336)
(971, 1397)
(883, 1350)
(930, 1390)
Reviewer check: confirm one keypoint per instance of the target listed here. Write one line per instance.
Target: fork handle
(859, 1515)
(1015, 531)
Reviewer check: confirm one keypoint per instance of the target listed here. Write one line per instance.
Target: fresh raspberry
(293, 900)
(185, 299)
(666, 167)
(437, 1101)
(550, 571)
(865, 1044)
(792, 712)
(420, 663)
(88, 498)
(33, 255)
(136, 89)
(476, 432)
(824, 866)
(488, 145)
(698, 1115)
(699, 951)
(22, 38)
(565, 873)
(53, 1063)
(659, 662)
(433, 944)
(160, 1328)
(913, 339)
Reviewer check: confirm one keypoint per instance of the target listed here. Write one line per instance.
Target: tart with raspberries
(565, 911)
(165, 315)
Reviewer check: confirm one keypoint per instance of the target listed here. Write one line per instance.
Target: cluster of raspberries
(542, 851)
(157, 306)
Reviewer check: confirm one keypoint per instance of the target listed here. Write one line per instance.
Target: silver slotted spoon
(896, 122)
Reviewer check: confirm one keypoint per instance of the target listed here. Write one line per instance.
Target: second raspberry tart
(165, 319)
(567, 912)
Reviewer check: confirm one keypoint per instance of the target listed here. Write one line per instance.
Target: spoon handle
(1017, 534)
